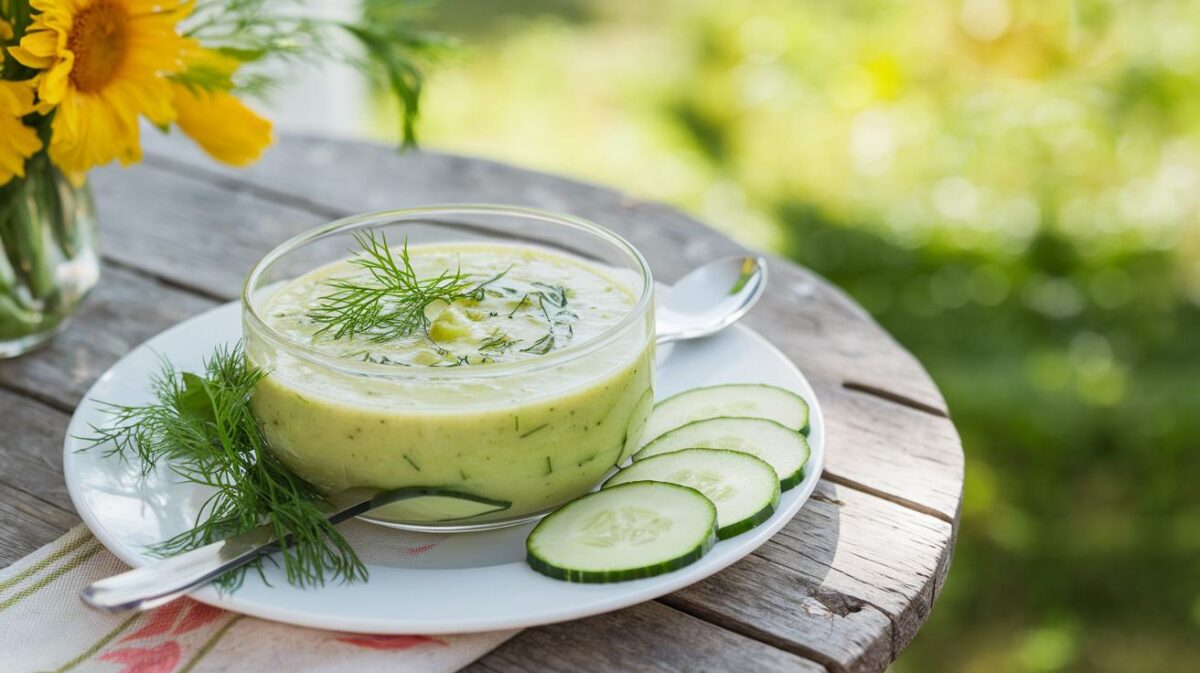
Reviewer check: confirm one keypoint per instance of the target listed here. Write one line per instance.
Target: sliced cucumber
(637, 427)
(782, 448)
(626, 532)
(744, 489)
(741, 400)
(421, 504)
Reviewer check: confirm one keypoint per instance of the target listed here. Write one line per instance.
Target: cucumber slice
(637, 429)
(626, 532)
(744, 489)
(782, 448)
(429, 504)
(740, 400)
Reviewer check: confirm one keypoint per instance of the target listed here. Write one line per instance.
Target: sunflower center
(99, 39)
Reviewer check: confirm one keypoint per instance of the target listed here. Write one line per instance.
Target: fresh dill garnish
(201, 428)
(497, 342)
(552, 302)
(392, 302)
(480, 290)
(541, 346)
(554, 294)
(523, 302)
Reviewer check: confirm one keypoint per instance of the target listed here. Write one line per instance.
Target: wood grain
(31, 449)
(190, 233)
(847, 582)
(892, 451)
(650, 638)
(27, 523)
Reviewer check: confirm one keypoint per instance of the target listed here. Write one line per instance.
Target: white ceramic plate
(419, 583)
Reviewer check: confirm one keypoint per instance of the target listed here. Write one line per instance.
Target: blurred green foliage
(1011, 188)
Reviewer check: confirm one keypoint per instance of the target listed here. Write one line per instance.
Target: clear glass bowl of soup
(519, 394)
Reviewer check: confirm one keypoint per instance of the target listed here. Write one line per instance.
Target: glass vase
(48, 255)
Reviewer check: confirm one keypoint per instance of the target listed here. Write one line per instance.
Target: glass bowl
(488, 445)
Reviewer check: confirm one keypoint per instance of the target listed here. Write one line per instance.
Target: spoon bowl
(710, 298)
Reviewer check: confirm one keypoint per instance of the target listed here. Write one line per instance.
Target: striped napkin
(45, 627)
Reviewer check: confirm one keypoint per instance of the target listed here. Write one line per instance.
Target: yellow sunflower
(17, 141)
(105, 62)
(221, 124)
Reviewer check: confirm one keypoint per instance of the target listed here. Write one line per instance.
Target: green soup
(522, 394)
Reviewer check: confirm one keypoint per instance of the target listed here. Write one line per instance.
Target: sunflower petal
(222, 125)
(29, 59)
(42, 43)
(17, 141)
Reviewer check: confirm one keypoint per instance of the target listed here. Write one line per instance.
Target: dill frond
(391, 303)
(200, 427)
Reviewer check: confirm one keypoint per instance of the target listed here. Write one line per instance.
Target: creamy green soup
(478, 400)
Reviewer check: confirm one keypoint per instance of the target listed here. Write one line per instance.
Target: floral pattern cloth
(44, 627)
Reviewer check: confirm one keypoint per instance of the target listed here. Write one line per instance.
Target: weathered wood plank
(27, 523)
(847, 582)
(884, 555)
(890, 450)
(776, 605)
(646, 638)
(31, 448)
(200, 236)
(35, 507)
(124, 310)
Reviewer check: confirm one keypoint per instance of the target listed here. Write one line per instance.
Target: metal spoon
(703, 302)
(710, 298)
(163, 581)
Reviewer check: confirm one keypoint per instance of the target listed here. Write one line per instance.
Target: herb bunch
(200, 426)
(392, 303)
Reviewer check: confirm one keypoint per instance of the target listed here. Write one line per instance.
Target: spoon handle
(163, 581)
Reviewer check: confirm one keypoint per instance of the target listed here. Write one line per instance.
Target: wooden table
(844, 587)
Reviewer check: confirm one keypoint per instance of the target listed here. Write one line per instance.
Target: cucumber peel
(744, 489)
(631, 531)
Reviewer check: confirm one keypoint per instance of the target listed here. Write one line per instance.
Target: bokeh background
(1011, 187)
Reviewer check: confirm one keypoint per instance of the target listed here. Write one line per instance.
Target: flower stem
(38, 233)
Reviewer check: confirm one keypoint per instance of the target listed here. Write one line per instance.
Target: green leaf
(195, 400)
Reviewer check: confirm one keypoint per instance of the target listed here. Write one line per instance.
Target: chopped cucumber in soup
(782, 448)
(626, 532)
(741, 400)
(744, 489)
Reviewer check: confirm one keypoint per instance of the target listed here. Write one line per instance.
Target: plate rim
(650, 588)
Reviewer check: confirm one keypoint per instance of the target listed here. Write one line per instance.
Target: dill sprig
(497, 342)
(392, 301)
(552, 302)
(201, 428)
